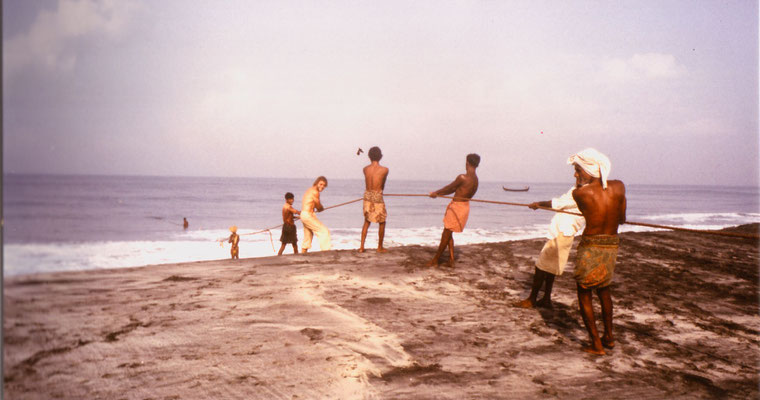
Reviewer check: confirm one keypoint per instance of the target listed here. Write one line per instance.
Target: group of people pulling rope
(594, 205)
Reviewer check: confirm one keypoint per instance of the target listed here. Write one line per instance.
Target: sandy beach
(344, 325)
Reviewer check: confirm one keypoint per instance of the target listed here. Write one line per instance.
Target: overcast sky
(668, 89)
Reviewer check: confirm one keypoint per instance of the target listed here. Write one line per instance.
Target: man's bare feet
(382, 250)
(361, 249)
(608, 342)
(304, 251)
(595, 351)
(545, 303)
(432, 263)
(523, 304)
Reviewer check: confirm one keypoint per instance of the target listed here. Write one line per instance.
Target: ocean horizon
(78, 222)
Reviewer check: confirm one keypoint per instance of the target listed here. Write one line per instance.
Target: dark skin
(464, 187)
(375, 176)
(604, 210)
(287, 218)
(539, 277)
(235, 250)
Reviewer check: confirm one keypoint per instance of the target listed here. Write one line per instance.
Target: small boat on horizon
(525, 189)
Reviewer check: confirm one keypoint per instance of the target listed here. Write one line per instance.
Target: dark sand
(343, 325)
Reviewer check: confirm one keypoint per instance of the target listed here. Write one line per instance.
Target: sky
(291, 89)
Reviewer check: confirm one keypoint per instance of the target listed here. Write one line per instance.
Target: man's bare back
(603, 209)
(375, 176)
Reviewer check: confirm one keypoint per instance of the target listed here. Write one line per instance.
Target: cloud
(641, 67)
(48, 44)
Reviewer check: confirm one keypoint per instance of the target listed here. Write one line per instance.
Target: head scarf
(233, 229)
(594, 163)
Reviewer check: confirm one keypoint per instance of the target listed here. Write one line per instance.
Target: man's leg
(295, 247)
(307, 235)
(364, 235)
(608, 340)
(325, 243)
(282, 248)
(451, 251)
(538, 279)
(546, 301)
(445, 237)
(587, 312)
(380, 237)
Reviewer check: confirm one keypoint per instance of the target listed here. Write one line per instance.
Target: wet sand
(345, 325)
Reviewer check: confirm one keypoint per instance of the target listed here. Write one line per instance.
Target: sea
(80, 222)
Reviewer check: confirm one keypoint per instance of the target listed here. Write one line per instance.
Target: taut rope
(675, 228)
(269, 230)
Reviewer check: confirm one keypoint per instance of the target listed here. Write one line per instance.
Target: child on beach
(234, 239)
(289, 234)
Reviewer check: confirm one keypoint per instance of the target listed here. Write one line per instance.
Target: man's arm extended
(448, 189)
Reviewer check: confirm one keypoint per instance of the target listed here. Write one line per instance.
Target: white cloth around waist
(567, 224)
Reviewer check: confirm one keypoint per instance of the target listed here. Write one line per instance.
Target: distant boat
(525, 189)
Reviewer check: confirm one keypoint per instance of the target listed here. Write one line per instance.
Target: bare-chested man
(603, 205)
(374, 205)
(288, 234)
(464, 187)
(312, 225)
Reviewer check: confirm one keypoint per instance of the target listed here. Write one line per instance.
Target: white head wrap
(593, 162)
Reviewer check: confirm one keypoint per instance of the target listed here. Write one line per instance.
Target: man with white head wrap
(602, 203)
(594, 163)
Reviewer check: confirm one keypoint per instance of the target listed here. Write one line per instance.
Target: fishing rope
(269, 230)
(675, 228)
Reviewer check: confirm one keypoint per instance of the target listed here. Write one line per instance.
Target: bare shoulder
(617, 186)
(583, 192)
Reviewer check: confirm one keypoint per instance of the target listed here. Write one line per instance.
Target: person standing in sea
(235, 240)
(374, 205)
(603, 205)
(458, 211)
(553, 257)
(311, 224)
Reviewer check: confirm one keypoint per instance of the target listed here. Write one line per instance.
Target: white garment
(563, 223)
(594, 162)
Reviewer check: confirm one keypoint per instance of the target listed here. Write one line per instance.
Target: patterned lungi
(374, 207)
(595, 260)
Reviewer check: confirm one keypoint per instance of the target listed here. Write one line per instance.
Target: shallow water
(67, 222)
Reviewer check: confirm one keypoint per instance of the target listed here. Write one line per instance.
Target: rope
(269, 230)
(343, 204)
(675, 228)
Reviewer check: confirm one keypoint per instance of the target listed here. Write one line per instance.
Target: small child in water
(234, 239)
(289, 234)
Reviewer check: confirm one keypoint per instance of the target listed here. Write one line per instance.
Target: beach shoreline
(341, 324)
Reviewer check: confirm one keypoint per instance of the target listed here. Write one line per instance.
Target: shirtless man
(288, 234)
(464, 187)
(603, 205)
(312, 225)
(374, 206)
